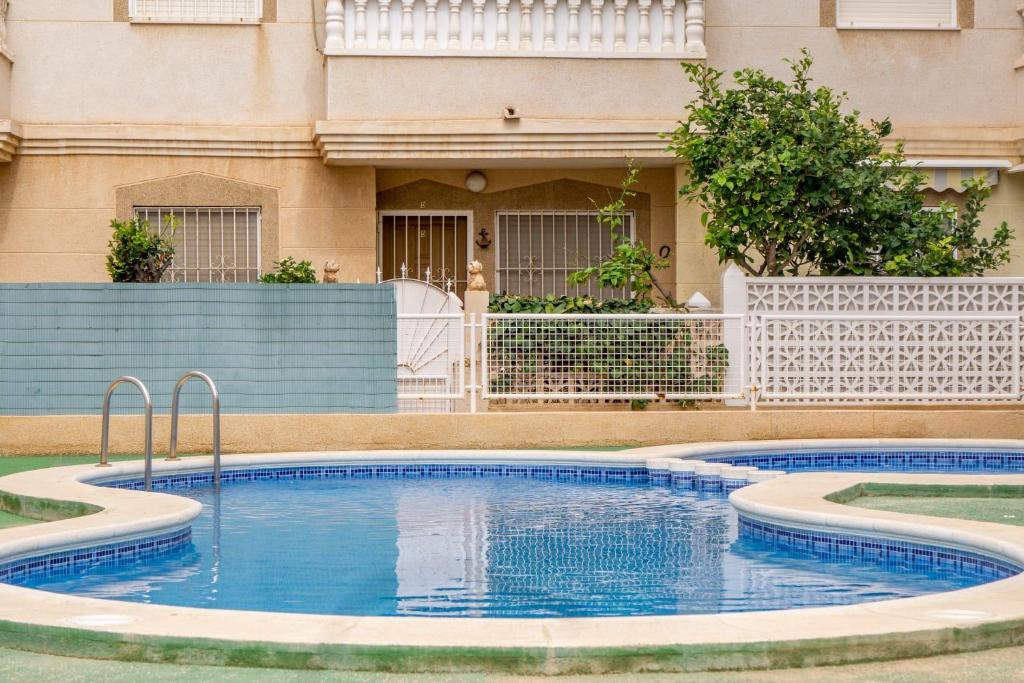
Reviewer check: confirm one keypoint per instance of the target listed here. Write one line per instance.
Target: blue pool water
(481, 547)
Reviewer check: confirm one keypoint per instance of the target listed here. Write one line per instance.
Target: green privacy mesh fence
(269, 348)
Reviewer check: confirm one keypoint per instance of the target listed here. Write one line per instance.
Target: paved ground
(991, 665)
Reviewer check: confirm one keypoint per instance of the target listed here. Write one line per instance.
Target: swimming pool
(478, 540)
(787, 524)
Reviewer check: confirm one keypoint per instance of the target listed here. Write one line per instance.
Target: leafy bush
(509, 303)
(287, 271)
(947, 245)
(137, 253)
(631, 263)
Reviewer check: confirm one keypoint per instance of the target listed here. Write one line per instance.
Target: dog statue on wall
(476, 278)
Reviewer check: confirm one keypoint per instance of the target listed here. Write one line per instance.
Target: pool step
(701, 475)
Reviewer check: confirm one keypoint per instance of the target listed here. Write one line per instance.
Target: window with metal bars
(536, 251)
(211, 243)
(196, 11)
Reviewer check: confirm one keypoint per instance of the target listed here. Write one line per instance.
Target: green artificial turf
(7, 520)
(999, 503)
(16, 463)
(1000, 510)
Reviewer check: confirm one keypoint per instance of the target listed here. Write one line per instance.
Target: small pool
(480, 544)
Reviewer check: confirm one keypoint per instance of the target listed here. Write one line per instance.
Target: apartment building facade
(379, 134)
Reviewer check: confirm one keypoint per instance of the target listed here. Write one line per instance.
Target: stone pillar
(734, 302)
(475, 305)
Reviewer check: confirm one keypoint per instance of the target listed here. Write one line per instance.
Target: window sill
(881, 27)
(196, 21)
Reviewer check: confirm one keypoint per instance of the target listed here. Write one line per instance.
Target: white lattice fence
(630, 357)
(871, 339)
(889, 358)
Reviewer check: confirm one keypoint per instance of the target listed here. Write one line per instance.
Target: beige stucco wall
(272, 74)
(539, 88)
(5, 87)
(697, 267)
(55, 211)
(1007, 204)
(112, 71)
(76, 434)
(935, 78)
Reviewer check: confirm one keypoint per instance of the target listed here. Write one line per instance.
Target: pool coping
(987, 615)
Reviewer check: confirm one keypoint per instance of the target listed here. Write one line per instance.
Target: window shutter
(196, 11)
(921, 14)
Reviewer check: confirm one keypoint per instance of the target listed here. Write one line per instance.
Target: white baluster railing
(454, 24)
(526, 25)
(574, 28)
(384, 24)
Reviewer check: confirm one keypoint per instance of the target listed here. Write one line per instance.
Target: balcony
(671, 29)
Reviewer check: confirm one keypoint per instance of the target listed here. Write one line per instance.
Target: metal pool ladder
(105, 437)
(173, 450)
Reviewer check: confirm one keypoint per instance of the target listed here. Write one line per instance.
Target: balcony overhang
(10, 139)
(494, 143)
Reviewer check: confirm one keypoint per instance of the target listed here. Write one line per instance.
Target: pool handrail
(105, 434)
(173, 449)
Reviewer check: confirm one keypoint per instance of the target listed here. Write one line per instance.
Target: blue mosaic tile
(431, 471)
(897, 556)
(111, 554)
(895, 460)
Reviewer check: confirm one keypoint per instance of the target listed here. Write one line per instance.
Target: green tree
(137, 253)
(789, 183)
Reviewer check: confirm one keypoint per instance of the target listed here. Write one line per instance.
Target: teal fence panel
(269, 348)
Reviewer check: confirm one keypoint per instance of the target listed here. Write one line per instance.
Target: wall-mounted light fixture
(476, 182)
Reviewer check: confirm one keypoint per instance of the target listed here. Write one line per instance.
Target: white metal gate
(431, 347)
